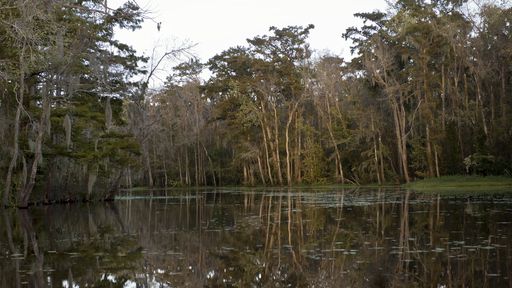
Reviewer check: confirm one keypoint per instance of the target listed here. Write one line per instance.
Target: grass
(446, 185)
(463, 184)
(263, 187)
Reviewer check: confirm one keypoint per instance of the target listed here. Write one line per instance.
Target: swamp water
(262, 238)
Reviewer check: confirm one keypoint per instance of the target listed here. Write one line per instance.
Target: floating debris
(487, 247)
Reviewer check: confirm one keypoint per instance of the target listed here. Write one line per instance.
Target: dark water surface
(263, 238)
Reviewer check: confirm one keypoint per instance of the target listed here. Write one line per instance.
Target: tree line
(428, 93)
(64, 89)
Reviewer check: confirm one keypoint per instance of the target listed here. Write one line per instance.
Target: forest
(427, 93)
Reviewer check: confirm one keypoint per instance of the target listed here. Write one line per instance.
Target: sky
(216, 25)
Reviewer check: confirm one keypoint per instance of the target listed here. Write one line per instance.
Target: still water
(262, 238)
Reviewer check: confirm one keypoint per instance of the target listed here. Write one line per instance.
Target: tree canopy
(427, 93)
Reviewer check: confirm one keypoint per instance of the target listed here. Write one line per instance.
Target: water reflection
(281, 238)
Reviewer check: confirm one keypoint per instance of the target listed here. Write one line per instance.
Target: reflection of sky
(128, 284)
(65, 284)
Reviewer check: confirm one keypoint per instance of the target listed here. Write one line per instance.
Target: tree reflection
(281, 237)
(85, 252)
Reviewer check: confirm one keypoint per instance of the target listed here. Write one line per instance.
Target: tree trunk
(480, 108)
(375, 151)
(266, 145)
(287, 146)
(405, 162)
(187, 169)
(27, 189)
(262, 174)
(251, 175)
(147, 163)
(166, 181)
(211, 166)
(92, 176)
(381, 158)
(339, 165)
(299, 154)
(458, 117)
(14, 159)
(443, 100)
(436, 157)
(430, 161)
(129, 178)
(196, 166)
(278, 158)
(399, 119)
(287, 143)
(246, 177)
(180, 169)
(466, 94)
(398, 139)
(503, 96)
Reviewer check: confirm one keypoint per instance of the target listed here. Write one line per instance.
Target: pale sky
(216, 25)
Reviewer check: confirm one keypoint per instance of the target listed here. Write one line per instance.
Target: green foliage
(462, 184)
(314, 161)
(480, 164)
(418, 157)
(64, 56)
(426, 93)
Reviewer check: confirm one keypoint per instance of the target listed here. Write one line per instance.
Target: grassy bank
(463, 184)
(323, 186)
(442, 184)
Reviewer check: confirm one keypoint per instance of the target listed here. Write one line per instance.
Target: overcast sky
(216, 25)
